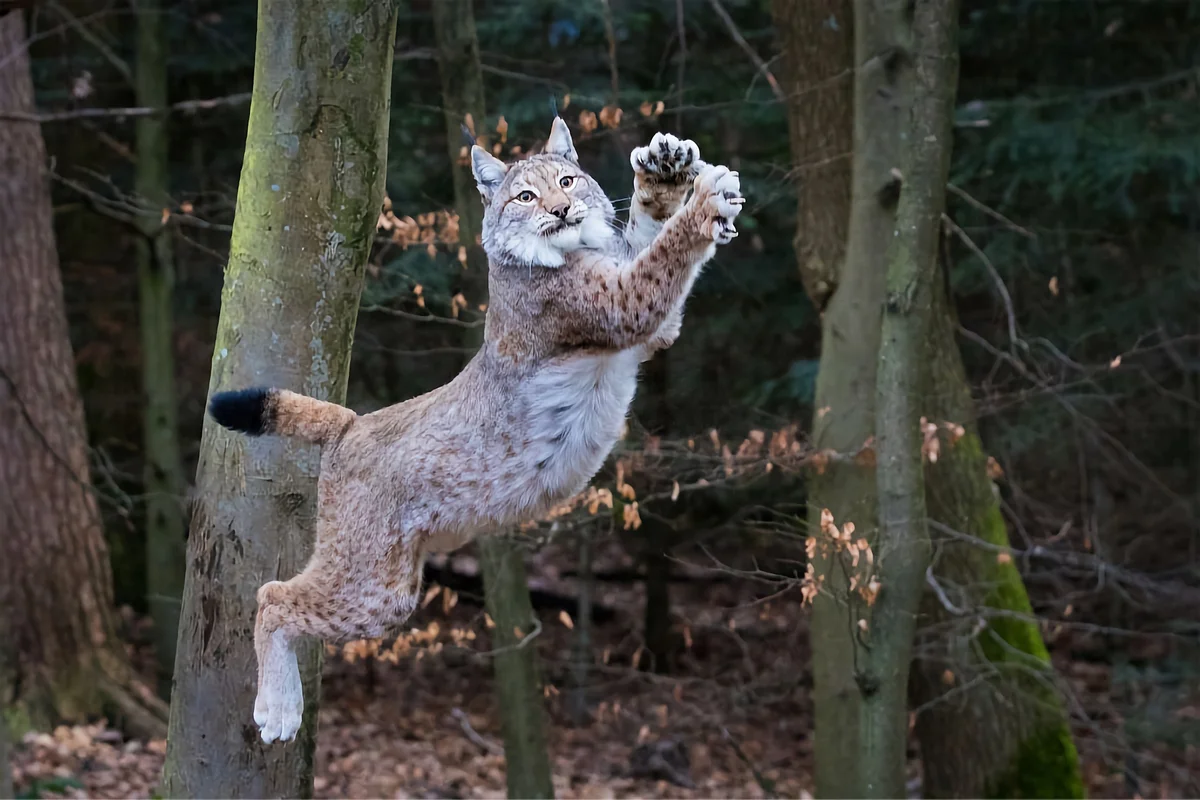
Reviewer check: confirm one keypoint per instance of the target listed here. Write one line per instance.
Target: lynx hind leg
(334, 604)
(718, 200)
(279, 705)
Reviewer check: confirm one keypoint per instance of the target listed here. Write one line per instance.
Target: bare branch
(741, 42)
(95, 41)
(187, 106)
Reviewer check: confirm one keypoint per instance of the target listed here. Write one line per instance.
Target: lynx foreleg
(626, 309)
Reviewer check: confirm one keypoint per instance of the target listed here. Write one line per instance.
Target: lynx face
(543, 207)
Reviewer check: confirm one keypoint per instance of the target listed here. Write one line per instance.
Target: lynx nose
(560, 210)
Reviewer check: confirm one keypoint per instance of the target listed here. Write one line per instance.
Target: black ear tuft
(468, 137)
(246, 410)
(553, 106)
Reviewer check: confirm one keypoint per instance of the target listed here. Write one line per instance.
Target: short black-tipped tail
(246, 410)
(278, 411)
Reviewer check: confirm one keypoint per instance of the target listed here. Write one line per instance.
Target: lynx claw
(667, 158)
(718, 192)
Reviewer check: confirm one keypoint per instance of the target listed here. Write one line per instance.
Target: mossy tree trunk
(962, 755)
(902, 544)
(57, 600)
(517, 683)
(996, 728)
(165, 484)
(310, 193)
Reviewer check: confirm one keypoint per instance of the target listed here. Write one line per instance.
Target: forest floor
(732, 719)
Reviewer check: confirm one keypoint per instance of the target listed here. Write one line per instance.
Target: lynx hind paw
(667, 158)
(279, 707)
(719, 195)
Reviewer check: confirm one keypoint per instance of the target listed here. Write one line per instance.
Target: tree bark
(506, 591)
(903, 540)
(165, 485)
(54, 567)
(816, 39)
(518, 685)
(581, 650)
(462, 97)
(6, 690)
(657, 539)
(309, 197)
(6, 783)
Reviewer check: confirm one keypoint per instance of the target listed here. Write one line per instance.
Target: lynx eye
(566, 181)
(526, 196)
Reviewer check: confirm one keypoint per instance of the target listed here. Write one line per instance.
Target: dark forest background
(1075, 276)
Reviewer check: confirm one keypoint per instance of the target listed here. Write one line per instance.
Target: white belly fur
(576, 409)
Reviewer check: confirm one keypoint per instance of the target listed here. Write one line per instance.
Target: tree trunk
(310, 193)
(581, 651)
(816, 38)
(6, 783)
(960, 756)
(903, 540)
(996, 728)
(54, 563)
(858, 114)
(165, 485)
(518, 686)
(462, 97)
(661, 643)
(6, 688)
(506, 591)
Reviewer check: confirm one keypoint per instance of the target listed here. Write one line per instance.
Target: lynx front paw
(718, 200)
(667, 159)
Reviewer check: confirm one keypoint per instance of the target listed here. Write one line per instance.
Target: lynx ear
(488, 170)
(559, 143)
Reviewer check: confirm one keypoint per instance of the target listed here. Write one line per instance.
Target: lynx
(574, 309)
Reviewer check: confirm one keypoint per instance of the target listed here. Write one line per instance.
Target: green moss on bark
(1046, 766)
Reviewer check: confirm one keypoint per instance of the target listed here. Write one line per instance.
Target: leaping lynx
(574, 308)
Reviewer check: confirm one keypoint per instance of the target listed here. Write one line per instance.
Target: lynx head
(541, 208)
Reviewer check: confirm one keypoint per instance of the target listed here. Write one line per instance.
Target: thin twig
(464, 722)
(740, 40)
(766, 784)
(941, 593)
(395, 312)
(991, 268)
(991, 212)
(187, 106)
(91, 38)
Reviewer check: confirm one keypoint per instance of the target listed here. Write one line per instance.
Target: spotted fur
(574, 308)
